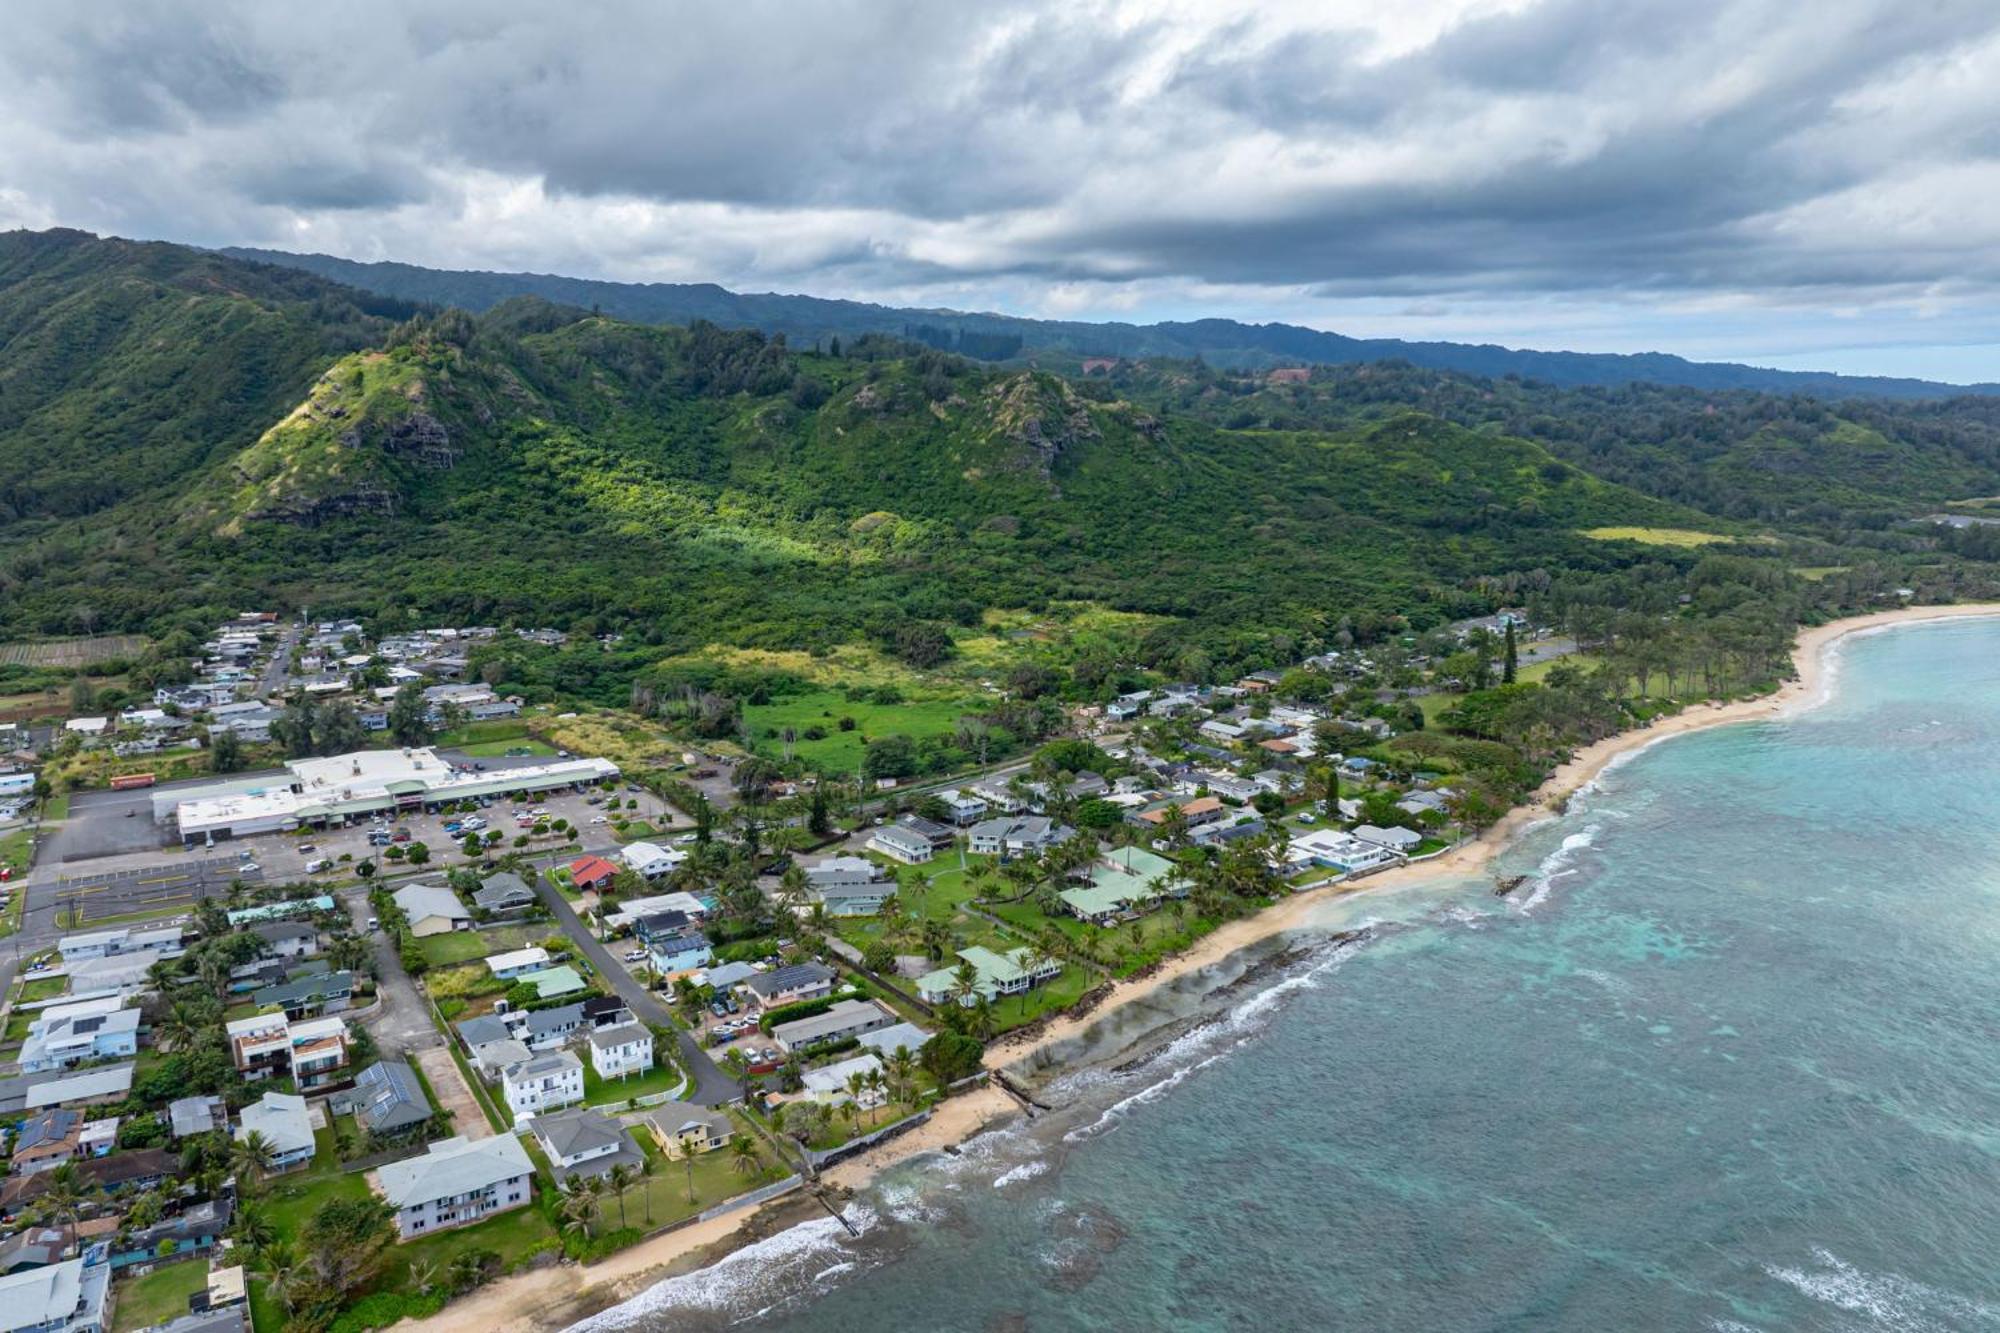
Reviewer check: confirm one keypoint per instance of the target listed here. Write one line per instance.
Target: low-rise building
(583, 1142)
(829, 1084)
(65, 1041)
(46, 1140)
(518, 962)
(62, 1298)
(196, 1115)
(1016, 835)
(847, 1018)
(683, 1130)
(849, 885)
(672, 954)
(542, 1083)
(388, 1099)
(309, 996)
(432, 909)
(901, 844)
(650, 860)
(994, 975)
(282, 1120)
(621, 1051)
(121, 940)
(456, 1182)
(1400, 840)
(789, 985)
(503, 892)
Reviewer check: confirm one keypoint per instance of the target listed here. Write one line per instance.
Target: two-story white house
(546, 1082)
(457, 1182)
(621, 1050)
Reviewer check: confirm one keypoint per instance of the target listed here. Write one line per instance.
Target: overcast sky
(1805, 185)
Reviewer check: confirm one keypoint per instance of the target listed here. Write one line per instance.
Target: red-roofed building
(591, 872)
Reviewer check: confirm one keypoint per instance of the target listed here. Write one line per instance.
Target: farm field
(80, 652)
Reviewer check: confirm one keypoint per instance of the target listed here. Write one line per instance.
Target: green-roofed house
(553, 982)
(1123, 883)
(997, 975)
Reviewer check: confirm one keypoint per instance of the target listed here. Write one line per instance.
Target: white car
(600, 819)
(687, 838)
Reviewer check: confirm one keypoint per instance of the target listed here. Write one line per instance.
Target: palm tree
(875, 1083)
(423, 1275)
(255, 1152)
(965, 983)
(253, 1228)
(179, 1028)
(646, 1173)
(743, 1156)
(66, 1193)
(902, 1072)
(857, 1083)
(936, 939)
(287, 1273)
(620, 1180)
(579, 1206)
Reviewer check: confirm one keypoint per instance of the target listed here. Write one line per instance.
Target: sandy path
(548, 1298)
(467, 1119)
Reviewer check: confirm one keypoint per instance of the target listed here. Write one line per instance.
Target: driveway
(712, 1087)
(401, 1021)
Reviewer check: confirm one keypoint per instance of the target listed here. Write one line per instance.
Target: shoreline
(551, 1298)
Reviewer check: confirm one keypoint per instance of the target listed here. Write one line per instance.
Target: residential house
(287, 939)
(605, 1011)
(123, 940)
(309, 996)
(502, 893)
(1124, 882)
(1400, 840)
(492, 1057)
(1276, 781)
(847, 1018)
(432, 909)
(37, 1247)
(114, 971)
(632, 910)
(1336, 850)
(62, 1298)
(319, 1052)
(621, 1051)
(1019, 835)
(939, 836)
(135, 1170)
(583, 1142)
(388, 1098)
(260, 1045)
(546, 1029)
(964, 807)
(673, 954)
(313, 1052)
(196, 1115)
(193, 1230)
(727, 976)
(789, 985)
(281, 1118)
(658, 925)
(994, 975)
(457, 1181)
(519, 962)
(66, 1040)
(999, 795)
(94, 1086)
(1419, 803)
(885, 1041)
(546, 1082)
(828, 1084)
(849, 885)
(1127, 706)
(684, 1130)
(46, 1140)
(282, 911)
(901, 844)
(552, 983)
(1200, 810)
(650, 860)
(591, 872)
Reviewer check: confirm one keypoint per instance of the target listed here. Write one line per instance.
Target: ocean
(1727, 1061)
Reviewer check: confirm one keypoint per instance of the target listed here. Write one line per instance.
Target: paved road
(401, 1021)
(712, 1087)
(278, 671)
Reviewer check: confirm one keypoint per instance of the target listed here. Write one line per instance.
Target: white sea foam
(1887, 1300)
(1559, 864)
(792, 1263)
(1025, 1171)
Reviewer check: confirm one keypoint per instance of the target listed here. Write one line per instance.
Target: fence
(820, 1160)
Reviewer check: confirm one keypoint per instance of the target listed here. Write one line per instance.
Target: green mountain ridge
(1225, 343)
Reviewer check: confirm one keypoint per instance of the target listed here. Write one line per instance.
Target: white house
(456, 1182)
(1400, 840)
(829, 1084)
(281, 1118)
(546, 1082)
(651, 860)
(581, 1142)
(901, 844)
(519, 962)
(621, 1050)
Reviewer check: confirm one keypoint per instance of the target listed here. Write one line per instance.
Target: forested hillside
(1219, 342)
(184, 431)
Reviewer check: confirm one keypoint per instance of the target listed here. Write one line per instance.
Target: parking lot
(177, 884)
(285, 856)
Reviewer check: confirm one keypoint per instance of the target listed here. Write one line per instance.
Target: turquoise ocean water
(1730, 1060)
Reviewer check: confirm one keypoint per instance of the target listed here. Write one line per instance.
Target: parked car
(314, 867)
(307, 849)
(401, 835)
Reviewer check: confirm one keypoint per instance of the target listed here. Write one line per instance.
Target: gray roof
(677, 1116)
(389, 1097)
(273, 931)
(421, 900)
(579, 1129)
(548, 1062)
(453, 1166)
(888, 1039)
(618, 1034)
(554, 1020)
(196, 1115)
(312, 986)
(796, 976)
(487, 1027)
(502, 890)
(104, 1081)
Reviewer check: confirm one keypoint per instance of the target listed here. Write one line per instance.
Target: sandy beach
(549, 1298)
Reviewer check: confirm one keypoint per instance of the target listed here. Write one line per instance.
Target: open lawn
(515, 1236)
(42, 988)
(713, 1176)
(15, 848)
(502, 730)
(463, 946)
(837, 750)
(598, 1091)
(161, 1295)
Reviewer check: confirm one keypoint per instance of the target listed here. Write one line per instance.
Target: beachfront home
(684, 1130)
(456, 1182)
(993, 975)
(1400, 840)
(582, 1142)
(885, 1041)
(1336, 850)
(829, 1084)
(1123, 883)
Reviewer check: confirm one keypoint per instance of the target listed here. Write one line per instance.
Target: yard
(838, 750)
(464, 946)
(42, 988)
(161, 1295)
(523, 745)
(14, 850)
(501, 731)
(714, 1176)
(598, 1091)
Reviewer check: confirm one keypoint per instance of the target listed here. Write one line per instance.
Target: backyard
(464, 946)
(162, 1294)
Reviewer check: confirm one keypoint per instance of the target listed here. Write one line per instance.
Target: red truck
(127, 781)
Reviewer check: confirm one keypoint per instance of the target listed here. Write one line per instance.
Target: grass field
(159, 1296)
(840, 751)
(71, 652)
(597, 1091)
(663, 1198)
(1656, 536)
(487, 749)
(463, 946)
(14, 849)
